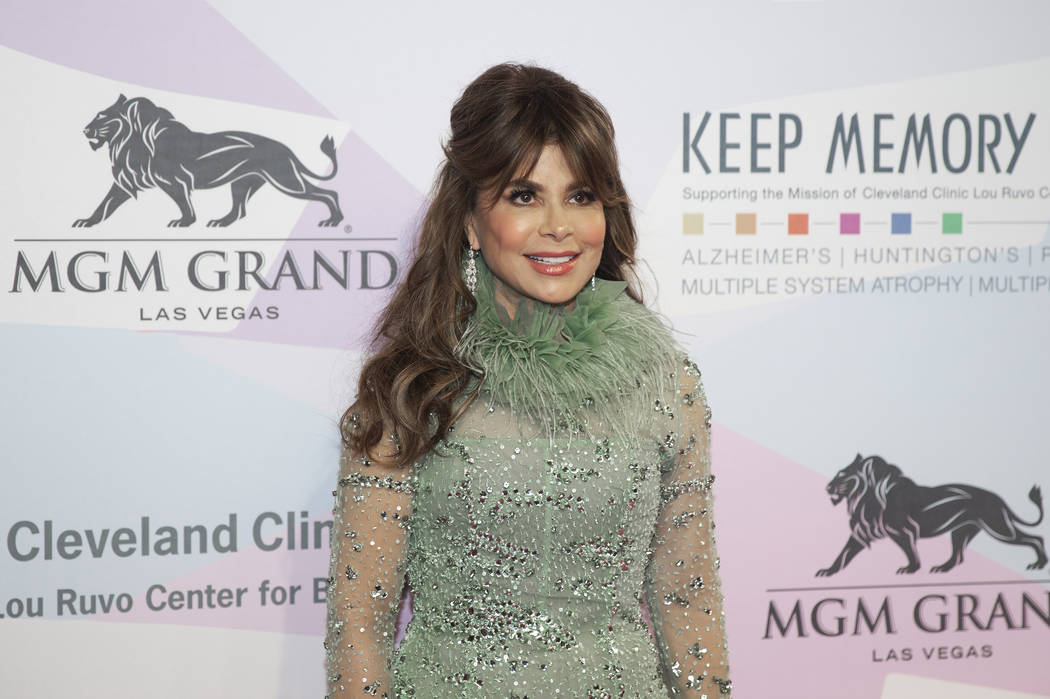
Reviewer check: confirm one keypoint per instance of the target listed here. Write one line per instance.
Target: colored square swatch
(900, 224)
(849, 224)
(745, 224)
(951, 223)
(798, 224)
(692, 224)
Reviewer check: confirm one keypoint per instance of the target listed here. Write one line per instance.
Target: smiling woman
(528, 443)
(542, 238)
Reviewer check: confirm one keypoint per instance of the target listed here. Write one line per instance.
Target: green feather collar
(567, 368)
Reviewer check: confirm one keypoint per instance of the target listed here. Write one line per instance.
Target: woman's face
(543, 238)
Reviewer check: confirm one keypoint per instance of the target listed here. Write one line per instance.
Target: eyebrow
(530, 184)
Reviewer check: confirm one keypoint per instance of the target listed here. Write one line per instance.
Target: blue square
(900, 223)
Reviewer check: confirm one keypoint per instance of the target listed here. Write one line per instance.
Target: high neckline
(541, 321)
(550, 363)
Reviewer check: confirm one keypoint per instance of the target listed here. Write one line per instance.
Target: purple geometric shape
(185, 47)
(849, 224)
(200, 53)
(377, 203)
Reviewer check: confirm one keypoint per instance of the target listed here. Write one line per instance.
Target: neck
(599, 363)
(509, 299)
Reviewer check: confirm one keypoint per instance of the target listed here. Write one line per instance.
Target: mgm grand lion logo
(883, 502)
(149, 148)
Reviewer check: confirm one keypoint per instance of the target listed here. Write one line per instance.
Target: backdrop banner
(844, 212)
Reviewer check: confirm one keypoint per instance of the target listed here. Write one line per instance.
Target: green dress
(575, 486)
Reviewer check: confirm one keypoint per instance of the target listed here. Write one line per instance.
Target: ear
(472, 233)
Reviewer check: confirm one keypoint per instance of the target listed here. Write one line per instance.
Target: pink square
(849, 224)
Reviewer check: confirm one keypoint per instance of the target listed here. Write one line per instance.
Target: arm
(682, 585)
(370, 528)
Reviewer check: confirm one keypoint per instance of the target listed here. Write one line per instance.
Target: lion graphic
(149, 148)
(884, 502)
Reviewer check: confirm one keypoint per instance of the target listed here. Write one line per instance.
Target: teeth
(551, 260)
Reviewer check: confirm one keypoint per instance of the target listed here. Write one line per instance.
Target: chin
(563, 294)
(550, 289)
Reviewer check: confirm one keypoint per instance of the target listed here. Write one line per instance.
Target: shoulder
(691, 397)
(378, 465)
(634, 320)
(680, 379)
(690, 380)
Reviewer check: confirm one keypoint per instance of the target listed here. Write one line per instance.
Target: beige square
(692, 224)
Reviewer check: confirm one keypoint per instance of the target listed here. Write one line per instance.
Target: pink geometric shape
(849, 224)
(777, 527)
(185, 47)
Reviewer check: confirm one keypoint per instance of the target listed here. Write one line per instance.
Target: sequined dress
(575, 486)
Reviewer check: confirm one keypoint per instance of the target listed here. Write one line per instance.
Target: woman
(528, 443)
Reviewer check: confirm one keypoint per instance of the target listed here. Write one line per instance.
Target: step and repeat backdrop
(844, 211)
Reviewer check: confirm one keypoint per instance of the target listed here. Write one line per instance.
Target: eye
(522, 197)
(583, 197)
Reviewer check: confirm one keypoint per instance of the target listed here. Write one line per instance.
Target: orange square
(745, 224)
(798, 224)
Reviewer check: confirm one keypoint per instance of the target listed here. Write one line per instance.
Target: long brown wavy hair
(413, 388)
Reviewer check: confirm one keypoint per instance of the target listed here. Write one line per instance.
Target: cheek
(507, 229)
(591, 230)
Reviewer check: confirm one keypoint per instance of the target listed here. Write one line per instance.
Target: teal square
(951, 223)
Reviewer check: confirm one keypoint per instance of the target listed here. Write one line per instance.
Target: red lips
(553, 269)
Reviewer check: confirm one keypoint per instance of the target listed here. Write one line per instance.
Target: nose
(556, 224)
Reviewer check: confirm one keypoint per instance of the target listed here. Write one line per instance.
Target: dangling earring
(470, 270)
(592, 282)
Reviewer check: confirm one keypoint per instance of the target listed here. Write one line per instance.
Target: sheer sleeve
(370, 531)
(682, 585)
